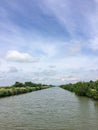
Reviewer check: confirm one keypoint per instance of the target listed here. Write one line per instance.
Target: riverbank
(20, 88)
(89, 89)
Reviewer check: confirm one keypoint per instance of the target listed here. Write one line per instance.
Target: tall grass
(9, 91)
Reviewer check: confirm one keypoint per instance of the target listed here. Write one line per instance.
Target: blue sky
(48, 41)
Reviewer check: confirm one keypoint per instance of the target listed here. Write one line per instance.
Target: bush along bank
(20, 88)
(89, 89)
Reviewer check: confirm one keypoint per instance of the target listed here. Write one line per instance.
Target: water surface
(49, 109)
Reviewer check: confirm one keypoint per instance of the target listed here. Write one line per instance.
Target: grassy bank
(89, 89)
(20, 88)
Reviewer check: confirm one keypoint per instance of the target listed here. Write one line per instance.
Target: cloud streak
(75, 16)
(50, 38)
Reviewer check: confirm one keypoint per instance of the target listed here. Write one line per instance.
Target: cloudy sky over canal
(48, 41)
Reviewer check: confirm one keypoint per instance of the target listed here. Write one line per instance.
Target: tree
(18, 84)
(30, 84)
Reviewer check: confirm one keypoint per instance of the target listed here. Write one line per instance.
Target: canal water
(49, 109)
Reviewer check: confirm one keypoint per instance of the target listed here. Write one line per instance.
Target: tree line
(20, 88)
(29, 84)
(89, 89)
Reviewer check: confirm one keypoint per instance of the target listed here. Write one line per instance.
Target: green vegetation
(89, 89)
(20, 88)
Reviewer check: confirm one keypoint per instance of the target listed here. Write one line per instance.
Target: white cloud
(93, 44)
(48, 48)
(16, 56)
(70, 79)
(72, 47)
(52, 66)
(12, 69)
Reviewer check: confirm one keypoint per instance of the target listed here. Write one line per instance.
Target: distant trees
(89, 89)
(20, 88)
(26, 84)
(30, 84)
(18, 84)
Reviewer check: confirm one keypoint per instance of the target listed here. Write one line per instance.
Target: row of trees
(20, 88)
(29, 84)
(89, 89)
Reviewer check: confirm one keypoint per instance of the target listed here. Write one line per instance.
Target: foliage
(20, 88)
(89, 89)
(18, 84)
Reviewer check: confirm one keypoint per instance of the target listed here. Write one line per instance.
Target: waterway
(49, 109)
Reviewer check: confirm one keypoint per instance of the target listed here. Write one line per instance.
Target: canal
(49, 109)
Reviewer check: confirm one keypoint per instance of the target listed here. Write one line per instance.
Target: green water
(49, 109)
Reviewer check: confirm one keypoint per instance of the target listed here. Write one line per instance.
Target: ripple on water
(49, 109)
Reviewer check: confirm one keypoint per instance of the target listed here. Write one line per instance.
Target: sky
(48, 41)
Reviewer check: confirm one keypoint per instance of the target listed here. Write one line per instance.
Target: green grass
(10, 91)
